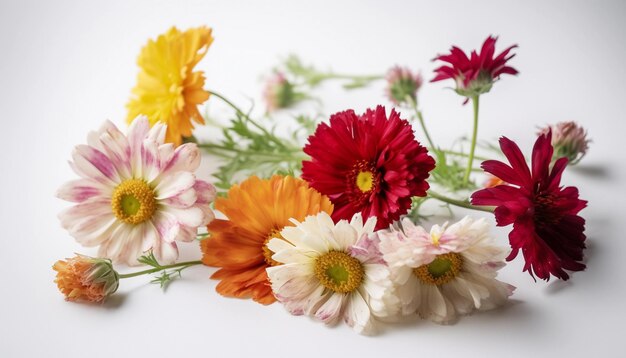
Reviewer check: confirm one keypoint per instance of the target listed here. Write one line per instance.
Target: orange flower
(86, 279)
(257, 210)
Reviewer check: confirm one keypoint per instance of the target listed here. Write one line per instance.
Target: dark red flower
(367, 164)
(546, 226)
(475, 74)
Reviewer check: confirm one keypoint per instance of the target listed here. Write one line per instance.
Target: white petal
(344, 235)
(191, 217)
(150, 161)
(330, 311)
(165, 252)
(150, 236)
(182, 200)
(174, 184)
(157, 132)
(92, 230)
(410, 295)
(137, 132)
(376, 272)
(358, 315)
(113, 248)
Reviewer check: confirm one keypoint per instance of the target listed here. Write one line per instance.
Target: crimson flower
(546, 225)
(475, 74)
(369, 164)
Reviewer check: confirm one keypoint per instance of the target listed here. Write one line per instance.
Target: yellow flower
(168, 90)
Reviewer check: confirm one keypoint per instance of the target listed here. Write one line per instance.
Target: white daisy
(332, 272)
(447, 272)
(135, 193)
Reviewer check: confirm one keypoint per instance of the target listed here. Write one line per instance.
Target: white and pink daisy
(447, 272)
(136, 193)
(332, 272)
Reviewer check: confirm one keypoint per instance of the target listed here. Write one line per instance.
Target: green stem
(470, 160)
(461, 203)
(293, 154)
(340, 76)
(160, 268)
(421, 120)
(461, 154)
(269, 135)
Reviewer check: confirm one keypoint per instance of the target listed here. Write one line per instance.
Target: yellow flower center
(133, 201)
(365, 181)
(339, 271)
(267, 253)
(443, 269)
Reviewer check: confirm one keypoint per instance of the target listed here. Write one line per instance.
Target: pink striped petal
(185, 158)
(90, 163)
(182, 200)
(81, 190)
(191, 217)
(73, 214)
(167, 226)
(174, 184)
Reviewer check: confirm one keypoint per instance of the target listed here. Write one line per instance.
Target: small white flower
(135, 193)
(332, 272)
(445, 272)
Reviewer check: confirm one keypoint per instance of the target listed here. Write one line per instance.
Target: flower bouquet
(329, 218)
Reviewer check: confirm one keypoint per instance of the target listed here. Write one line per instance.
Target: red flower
(367, 164)
(544, 215)
(474, 75)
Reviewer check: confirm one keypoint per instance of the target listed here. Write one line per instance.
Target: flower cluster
(329, 223)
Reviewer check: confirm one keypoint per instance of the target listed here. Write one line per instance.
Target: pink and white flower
(332, 272)
(446, 272)
(135, 193)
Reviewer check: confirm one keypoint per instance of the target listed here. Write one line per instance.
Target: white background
(67, 66)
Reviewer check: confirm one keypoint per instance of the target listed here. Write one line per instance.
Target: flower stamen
(365, 181)
(339, 272)
(443, 269)
(545, 213)
(267, 253)
(133, 201)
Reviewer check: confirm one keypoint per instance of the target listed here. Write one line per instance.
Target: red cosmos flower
(544, 215)
(474, 75)
(367, 164)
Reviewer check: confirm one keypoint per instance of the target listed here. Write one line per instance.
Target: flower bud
(569, 140)
(86, 279)
(279, 92)
(402, 85)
